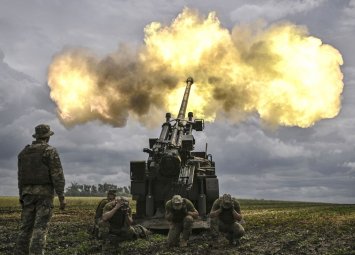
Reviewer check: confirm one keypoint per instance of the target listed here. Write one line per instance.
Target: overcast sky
(289, 163)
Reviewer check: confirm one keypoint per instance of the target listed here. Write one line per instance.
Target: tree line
(100, 190)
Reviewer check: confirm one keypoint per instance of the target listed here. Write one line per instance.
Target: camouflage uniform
(40, 173)
(180, 222)
(226, 223)
(116, 229)
(99, 211)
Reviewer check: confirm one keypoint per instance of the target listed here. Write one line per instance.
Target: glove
(62, 203)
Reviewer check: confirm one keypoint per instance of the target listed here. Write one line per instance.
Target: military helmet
(227, 201)
(177, 202)
(42, 131)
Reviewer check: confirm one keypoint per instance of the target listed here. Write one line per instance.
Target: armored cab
(173, 167)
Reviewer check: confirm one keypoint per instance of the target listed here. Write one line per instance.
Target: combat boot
(183, 243)
(235, 242)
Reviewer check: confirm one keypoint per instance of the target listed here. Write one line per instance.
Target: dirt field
(272, 227)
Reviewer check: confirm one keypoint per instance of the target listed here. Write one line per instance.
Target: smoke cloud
(280, 72)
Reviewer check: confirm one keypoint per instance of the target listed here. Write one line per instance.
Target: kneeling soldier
(111, 195)
(180, 212)
(117, 215)
(227, 210)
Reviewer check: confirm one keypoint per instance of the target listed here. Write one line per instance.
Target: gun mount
(173, 167)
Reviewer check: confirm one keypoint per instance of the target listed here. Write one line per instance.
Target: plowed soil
(272, 227)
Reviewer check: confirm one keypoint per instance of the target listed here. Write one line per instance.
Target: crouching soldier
(227, 210)
(180, 212)
(117, 219)
(111, 195)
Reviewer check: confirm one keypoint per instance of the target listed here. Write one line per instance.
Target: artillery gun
(173, 167)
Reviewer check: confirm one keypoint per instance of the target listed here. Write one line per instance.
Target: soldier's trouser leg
(187, 227)
(104, 228)
(174, 234)
(234, 230)
(226, 229)
(214, 227)
(26, 227)
(237, 230)
(110, 245)
(44, 209)
(127, 234)
(141, 232)
(95, 230)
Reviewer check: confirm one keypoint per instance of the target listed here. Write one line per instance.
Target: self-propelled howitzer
(173, 167)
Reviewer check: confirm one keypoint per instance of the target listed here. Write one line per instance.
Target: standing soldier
(180, 212)
(40, 173)
(117, 215)
(227, 210)
(111, 195)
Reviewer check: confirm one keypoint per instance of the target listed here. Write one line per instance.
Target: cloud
(351, 167)
(272, 10)
(295, 188)
(348, 17)
(282, 73)
(32, 31)
(249, 149)
(91, 153)
(288, 163)
(2, 55)
(314, 164)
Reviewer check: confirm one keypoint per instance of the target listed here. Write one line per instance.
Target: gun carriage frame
(174, 168)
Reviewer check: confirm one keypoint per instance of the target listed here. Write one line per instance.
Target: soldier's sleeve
(56, 172)
(215, 205)
(168, 207)
(190, 206)
(236, 206)
(168, 211)
(108, 207)
(18, 176)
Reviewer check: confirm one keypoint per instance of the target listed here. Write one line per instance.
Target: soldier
(40, 173)
(111, 195)
(227, 210)
(180, 212)
(117, 216)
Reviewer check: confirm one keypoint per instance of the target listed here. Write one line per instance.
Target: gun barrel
(185, 99)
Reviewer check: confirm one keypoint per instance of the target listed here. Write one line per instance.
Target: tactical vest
(117, 221)
(32, 170)
(179, 215)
